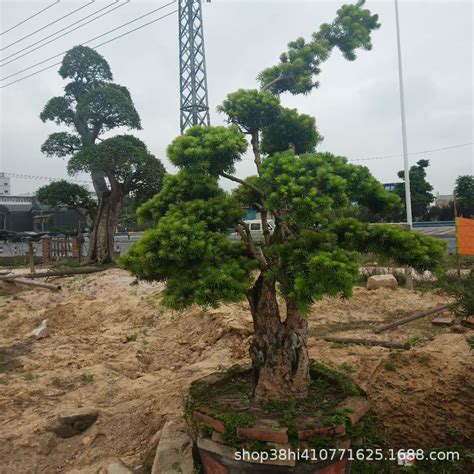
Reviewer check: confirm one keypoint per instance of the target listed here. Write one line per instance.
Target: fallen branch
(77, 271)
(24, 281)
(368, 342)
(419, 315)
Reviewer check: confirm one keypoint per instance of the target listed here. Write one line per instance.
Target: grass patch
(347, 368)
(414, 340)
(176, 467)
(390, 366)
(470, 342)
(232, 421)
(86, 379)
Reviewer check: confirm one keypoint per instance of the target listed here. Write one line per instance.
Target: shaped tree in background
(314, 248)
(62, 194)
(91, 106)
(129, 169)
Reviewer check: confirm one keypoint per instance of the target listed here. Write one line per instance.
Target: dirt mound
(114, 348)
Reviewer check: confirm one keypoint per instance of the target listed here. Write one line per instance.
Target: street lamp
(404, 136)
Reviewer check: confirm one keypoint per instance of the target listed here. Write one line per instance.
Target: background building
(443, 200)
(5, 187)
(25, 214)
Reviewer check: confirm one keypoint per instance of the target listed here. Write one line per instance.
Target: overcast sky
(357, 105)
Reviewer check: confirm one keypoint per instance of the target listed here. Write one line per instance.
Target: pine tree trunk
(101, 244)
(279, 351)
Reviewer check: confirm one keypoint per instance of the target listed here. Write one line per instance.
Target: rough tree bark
(255, 142)
(101, 244)
(279, 352)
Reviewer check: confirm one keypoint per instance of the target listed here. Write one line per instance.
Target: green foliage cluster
(420, 189)
(124, 159)
(464, 192)
(350, 30)
(462, 289)
(232, 421)
(189, 249)
(211, 150)
(254, 111)
(64, 194)
(91, 104)
(291, 129)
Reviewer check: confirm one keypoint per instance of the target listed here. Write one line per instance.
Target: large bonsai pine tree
(315, 246)
(91, 106)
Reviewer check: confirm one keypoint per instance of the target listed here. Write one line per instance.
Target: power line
(94, 47)
(30, 17)
(46, 178)
(46, 26)
(64, 34)
(423, 152)
(93, 39)
(41, 178)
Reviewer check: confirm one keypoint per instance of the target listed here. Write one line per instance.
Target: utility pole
(194, 106)
(404, 126)
(408, 275)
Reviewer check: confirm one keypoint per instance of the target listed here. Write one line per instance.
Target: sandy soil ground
(112, 347)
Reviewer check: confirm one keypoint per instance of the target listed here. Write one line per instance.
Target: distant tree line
(424, 207)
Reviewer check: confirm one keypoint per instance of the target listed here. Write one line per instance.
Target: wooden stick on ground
(368, 342)
(419, 315)
(77, 271)
(24, 281)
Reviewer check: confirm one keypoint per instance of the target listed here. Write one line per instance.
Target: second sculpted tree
(314, 247)
(91, 106)
(421, 189)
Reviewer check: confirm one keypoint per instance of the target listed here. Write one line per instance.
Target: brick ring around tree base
(232, 432)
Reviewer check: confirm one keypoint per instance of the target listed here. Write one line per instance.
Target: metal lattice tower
(194, 105)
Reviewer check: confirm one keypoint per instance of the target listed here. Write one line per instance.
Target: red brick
(359, 407)
(211, 466)
(261, 434)
(468, 322)
(324, 431)
(209, 421)
(442, 321)
(345, 444)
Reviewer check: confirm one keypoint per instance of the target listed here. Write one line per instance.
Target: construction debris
(74, 422)
(408, 319)
(368, 342)
(41, 331)
(442, 321)
(117, 466)
(40, 284)
(174, 450)
(70, 272)
(381, 281)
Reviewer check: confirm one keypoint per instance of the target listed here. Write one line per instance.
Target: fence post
(31, 254)
(76, 249)
(46, 245)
